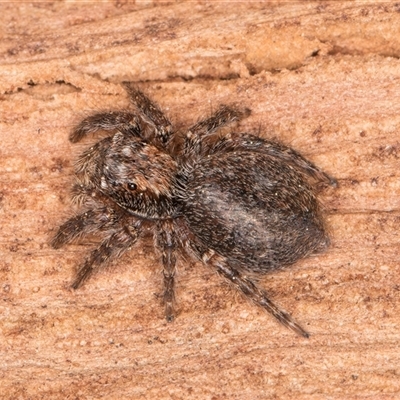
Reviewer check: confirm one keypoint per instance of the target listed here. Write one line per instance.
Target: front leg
(112, 247)
(166, 242)
(152, 114)
(83, 224)
(113, 121)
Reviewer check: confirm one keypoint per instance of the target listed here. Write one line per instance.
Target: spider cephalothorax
(240, 203)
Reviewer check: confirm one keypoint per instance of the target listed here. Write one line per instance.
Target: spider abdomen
(255, 210)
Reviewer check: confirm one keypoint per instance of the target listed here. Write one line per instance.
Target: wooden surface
(323, 77)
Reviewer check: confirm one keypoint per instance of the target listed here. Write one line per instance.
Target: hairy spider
(239, 203)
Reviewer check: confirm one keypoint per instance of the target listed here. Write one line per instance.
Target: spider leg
(73, 228)
(122, 121)
(112, 247)
(255, 294)
(241, 282)
(249, 142)
(198, 132)
(102, 214)
(166, 241)
(161, 125)
(83, 224)
(223, 116)
(288, 155)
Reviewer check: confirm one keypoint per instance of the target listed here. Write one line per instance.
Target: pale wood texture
(323, 77)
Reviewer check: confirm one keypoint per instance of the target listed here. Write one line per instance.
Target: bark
(322, 77)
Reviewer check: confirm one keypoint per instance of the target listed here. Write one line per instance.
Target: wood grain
(323, 77)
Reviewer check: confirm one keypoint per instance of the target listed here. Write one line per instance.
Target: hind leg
(249, 142)
(255, 294)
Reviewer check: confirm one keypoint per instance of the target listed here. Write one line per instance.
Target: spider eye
(132, 186)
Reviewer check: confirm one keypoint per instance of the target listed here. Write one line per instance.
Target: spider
(242, 204)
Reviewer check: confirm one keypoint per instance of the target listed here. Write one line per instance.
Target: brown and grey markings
(243, 205)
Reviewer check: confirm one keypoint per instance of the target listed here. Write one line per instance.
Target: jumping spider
(240, 203)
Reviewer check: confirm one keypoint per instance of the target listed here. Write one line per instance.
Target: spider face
(241, 204)
(131, 172)
(135, 175)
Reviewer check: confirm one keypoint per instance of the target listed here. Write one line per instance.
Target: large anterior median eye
(132, 186)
